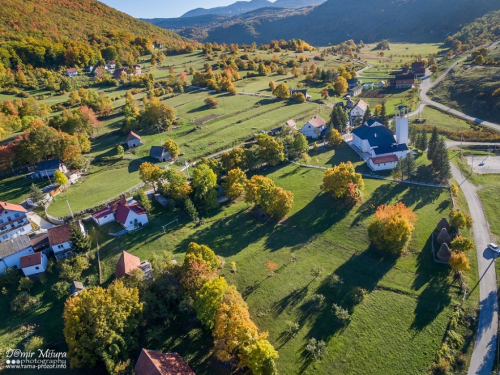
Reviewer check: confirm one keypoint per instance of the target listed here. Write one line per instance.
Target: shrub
(60, 289)
(341, 315)
(211, 102)
(316, 348)
(23, 302)
(33, 344)
(356, 295)
(298, 97)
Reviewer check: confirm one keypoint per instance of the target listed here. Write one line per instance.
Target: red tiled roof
(60, 234)
(385, 159)
(290, 123)
(101, 213)
(71, 70)
(362, 104)
(4, 206)
(136, 208)
(121, 213)
(31, 260)
(126, 264)
(132, 135)
(317, 121)
(152, 362)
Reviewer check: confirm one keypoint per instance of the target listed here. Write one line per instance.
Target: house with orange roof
(128, 263)
(34, 264)
(152, 362)
(13, 221)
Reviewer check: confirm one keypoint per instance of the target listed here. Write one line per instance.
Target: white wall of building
(131, 223)
(33, 270)
(62, 247)
(310, 131)
(381, 167)
(105, 219)
(14, 260)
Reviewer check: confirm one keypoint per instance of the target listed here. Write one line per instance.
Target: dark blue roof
(377, 136)
(48, 164)
(389, 149)
(157, 151)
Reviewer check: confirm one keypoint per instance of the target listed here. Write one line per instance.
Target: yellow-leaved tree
(208, 300)
(337, 181)
(172, 147)
(267, 196)
(391, 227)
(100, 325)
(235, 183)
(459, 262)
(150, 174)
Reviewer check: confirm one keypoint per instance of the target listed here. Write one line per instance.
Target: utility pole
(461, 141)
(70, 211)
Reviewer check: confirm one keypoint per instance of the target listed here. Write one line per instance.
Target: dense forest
(52, 33)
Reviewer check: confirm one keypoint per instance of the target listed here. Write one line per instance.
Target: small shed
(160, 153)
(161, 200)
(133, 140)
(76, 287)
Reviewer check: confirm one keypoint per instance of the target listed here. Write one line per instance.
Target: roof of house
(59, 235)
(71, 70)
(385, 159)
(381, 150)
(403, 77)
(123, 210)
(5, 206)
(377, 136)
(126, 264)
(137, 209)
(132, 135)
(317, 122)
(76, 286)
(352, 81)
(102, 212)
(157, 151)
(418, 64)
(48, 164)
(362, 105)
(31, 260)
(14, 245)
(40, 241)
(357, 88)
(152, 362)
(290, 122)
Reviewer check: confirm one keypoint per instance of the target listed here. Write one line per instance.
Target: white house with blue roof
(380, 147)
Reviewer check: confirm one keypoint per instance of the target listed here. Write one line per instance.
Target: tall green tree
(203, 179)
(144, 200)
(422, 140)
(431, 147)
(36, 194)
(440, 160)
(100, 325)
(81, 242)
(338, 118)
(383, 115)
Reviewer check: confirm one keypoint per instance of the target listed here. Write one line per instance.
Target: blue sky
(162, 8)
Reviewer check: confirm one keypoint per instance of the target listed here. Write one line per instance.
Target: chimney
(123, 200)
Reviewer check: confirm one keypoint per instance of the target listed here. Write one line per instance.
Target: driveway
(35, 218)
(486, 340)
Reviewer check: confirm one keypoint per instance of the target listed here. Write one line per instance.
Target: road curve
(426, 85)
(484, 348)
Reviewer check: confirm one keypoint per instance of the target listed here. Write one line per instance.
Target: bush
(60, 289)
(298, 97)
(211, 102)
(356, 295)
(341, 315)
(23, 302)
(33, 344)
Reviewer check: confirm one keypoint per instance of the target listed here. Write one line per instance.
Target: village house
(160, 153)
(60, 239)
(353, 82)
(303, 92)
(34, 264)
(12, 250)
(418, 68)
(403, 81)
(128, 263)
(127, 212)
(381, 148)
(152, 362)
(48, 168)
(76, 287)
(314, 127)
(291, 123)
(111, 65)
(72, 72)
(137, 70)
(133, 140)
(357, 112)
(381, 84)
(355, 91)
(369, 86)
(118, 73)
(13, 221)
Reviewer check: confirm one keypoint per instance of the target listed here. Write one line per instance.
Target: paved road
(485, 345)
(426, 85)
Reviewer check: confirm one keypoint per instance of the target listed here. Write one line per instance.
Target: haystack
(443, 223)
(444, 252)
(443, 237)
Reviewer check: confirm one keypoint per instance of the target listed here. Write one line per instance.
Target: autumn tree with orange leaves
(391, 227)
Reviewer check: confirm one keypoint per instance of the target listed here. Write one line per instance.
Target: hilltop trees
(99, 325)
(342, 182)
(391, 227)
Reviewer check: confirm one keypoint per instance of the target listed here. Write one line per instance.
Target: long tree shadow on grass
(430, 303)
(358, 276)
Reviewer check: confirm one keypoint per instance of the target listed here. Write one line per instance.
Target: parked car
(494, 247)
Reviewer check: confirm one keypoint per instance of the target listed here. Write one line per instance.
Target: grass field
(408, 297)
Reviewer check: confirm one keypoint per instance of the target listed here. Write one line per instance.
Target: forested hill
(367, 20)
(39, 25)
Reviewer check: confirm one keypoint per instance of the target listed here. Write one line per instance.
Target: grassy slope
(469, 90)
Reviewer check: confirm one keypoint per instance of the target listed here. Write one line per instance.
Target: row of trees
(154, 114)
(221, 309)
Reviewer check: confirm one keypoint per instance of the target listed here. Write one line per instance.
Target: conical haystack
(443, 223)
(444, 252)
(443, 237)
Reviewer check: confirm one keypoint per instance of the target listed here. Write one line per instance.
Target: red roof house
(126, 264)
(152, 362)
(133, 140)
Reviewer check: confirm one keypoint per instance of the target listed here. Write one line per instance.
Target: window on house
(37, 268)
(131, 222)
(1, 221)
(60, 246)
(16, 215)
(22, 229)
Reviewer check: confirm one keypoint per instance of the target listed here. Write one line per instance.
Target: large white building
(12, 250)
(380, 146)
(13, 221)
